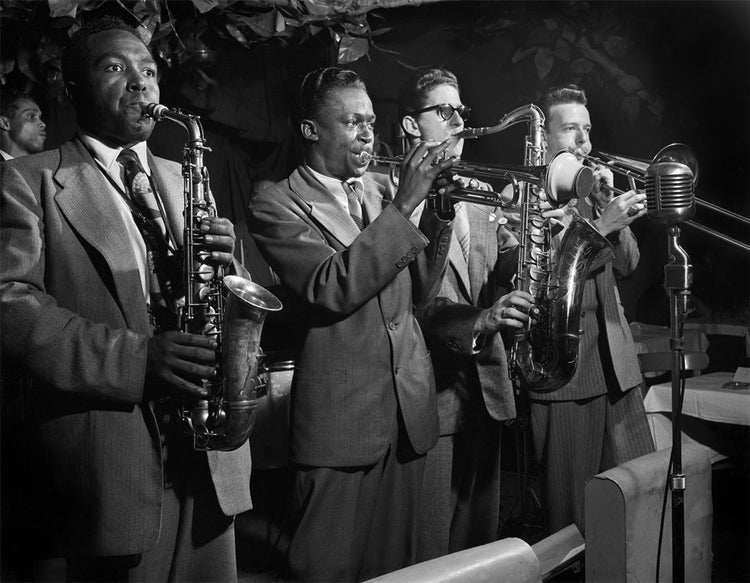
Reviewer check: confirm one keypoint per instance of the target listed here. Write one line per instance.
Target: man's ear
(410, 127)
(4, 123)
(309, 130)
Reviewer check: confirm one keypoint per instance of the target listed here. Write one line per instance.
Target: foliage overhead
(574, 35)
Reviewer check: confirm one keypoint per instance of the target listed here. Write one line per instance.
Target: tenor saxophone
(222, 421)
(544, 357)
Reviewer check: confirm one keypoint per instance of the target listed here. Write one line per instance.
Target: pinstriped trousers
(575, 440)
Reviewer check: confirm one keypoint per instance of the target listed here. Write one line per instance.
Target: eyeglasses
(446, 110)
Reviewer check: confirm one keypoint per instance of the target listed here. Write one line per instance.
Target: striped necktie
(354, 193)
(461, 229)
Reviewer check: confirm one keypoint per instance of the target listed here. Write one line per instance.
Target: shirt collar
(107, 156)
(334, 184)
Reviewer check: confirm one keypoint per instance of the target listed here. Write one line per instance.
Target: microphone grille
(669, 191)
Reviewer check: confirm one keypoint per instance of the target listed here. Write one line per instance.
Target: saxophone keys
(204, 272)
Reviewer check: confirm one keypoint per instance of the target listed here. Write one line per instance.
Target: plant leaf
(544, 61)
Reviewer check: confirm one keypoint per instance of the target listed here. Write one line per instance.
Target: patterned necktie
(354, 193)
(461, 229)
(140, 191)
(162, 266)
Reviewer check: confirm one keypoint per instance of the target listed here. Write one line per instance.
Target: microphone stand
(678, 275)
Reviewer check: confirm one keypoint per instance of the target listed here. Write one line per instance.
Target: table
(706, 408)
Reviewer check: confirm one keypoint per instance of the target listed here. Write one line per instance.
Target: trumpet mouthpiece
(365, 157)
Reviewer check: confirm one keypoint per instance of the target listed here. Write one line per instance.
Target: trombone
(636, 170)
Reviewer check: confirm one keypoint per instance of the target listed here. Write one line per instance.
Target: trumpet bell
(567, 178)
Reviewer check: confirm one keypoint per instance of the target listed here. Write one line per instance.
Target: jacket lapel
(458, 264)
(86, 199)
(168, 177)
(480, 221)
(325, 210)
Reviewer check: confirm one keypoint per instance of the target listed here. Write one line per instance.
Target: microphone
(669, 192)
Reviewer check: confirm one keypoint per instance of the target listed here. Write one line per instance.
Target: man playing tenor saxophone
(597, 420)
(459, 505)
(112, 484)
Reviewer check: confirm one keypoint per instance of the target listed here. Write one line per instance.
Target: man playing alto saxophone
(112, 485)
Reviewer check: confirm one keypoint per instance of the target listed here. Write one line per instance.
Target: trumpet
(563, 179)
(679, 163)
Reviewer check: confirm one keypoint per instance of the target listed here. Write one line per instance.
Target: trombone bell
(566, 178)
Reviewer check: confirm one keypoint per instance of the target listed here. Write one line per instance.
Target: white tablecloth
(705, 399)
(705, 405)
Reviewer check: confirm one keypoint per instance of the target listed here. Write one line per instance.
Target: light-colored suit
(75, 319)
(363, 385)
(460, 494)
(597, 420)
(362, 354)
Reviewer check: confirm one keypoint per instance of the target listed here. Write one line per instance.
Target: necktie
(140, 191)
(461, 229)
(355, 192)
(162, 266)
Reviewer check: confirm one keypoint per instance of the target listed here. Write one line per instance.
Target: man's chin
(141, 130)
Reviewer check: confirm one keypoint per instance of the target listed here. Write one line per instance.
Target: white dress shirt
(106, 158)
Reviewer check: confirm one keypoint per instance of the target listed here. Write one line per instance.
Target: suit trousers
(196, 540)
(460, 503)
(356, 523)
(579, 439)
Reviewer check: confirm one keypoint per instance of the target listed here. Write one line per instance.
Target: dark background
(657, 73)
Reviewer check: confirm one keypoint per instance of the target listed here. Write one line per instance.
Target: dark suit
(363, 386)
(461, 490)
(597, 420)
(74, 317)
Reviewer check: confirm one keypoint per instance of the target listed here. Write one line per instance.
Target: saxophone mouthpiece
(155, 110)
(468, 134)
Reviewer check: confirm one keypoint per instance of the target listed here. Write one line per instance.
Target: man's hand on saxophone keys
(218, 238)
(180, 360)
(510, 311)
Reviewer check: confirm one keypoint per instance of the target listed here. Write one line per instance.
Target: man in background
(22, 130)
(597, 421)
(460, 501)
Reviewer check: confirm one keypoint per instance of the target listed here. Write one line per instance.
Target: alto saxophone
(223, 421)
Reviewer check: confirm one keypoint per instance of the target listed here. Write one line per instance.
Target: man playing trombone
(460, 492)
(596, 421)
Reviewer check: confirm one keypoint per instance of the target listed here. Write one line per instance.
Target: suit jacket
(349, 294)
(607, 359)
(74, 317)
(467, 289)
